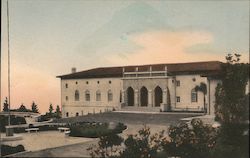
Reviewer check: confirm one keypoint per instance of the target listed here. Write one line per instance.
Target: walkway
(46, 139)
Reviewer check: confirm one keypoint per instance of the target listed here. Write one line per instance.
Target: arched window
(77, 114)
(77, 95)
(110, 95)
(98, 95)
(87, 95)
(67, 114)
(144, 96)
(158, 96)
(130, 96)
(194, 96)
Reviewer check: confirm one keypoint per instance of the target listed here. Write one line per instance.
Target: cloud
(168, 47)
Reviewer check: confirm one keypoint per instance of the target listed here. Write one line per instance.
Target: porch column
(165, 97)
(164, 100)
(150, 98)
(136, 98)
(123, 97)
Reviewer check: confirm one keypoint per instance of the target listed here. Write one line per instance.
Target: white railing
(145, 74)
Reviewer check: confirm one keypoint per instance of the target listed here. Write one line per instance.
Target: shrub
(48, 128)
(119, 128)
(142, 145)
(94, 130)
(7, 150)
(107, 146)
(14, 120)
(195, 142)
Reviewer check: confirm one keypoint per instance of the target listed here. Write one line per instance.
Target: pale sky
(49, 37)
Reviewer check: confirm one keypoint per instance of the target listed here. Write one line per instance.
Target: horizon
(48, 38)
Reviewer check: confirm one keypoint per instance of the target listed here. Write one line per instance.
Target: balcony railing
(145, 74)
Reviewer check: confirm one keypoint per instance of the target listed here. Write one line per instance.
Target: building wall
(118, 85)
(82, 85)
(187, 83)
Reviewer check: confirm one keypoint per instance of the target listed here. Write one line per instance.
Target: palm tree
(202, 88)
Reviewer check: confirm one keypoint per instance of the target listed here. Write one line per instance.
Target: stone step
(146, 109)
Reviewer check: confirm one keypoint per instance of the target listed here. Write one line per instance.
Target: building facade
(158, 87)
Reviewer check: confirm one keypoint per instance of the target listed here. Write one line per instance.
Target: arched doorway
(158, 96)
(130, 96)
(144, 96)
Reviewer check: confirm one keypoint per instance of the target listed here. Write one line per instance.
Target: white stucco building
(157, 87)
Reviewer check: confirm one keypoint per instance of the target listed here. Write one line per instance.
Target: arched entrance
(158, 96)
(130, 96)
(144, 96)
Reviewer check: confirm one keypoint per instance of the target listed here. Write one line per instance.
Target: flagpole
(1, 82)
(8, 28)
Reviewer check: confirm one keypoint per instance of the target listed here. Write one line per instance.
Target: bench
(67, 133)
(31, 129)
(63, 129)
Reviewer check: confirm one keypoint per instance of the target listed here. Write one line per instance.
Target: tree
(231, 109)
(51, 109)
(34, 107)
(202, 88)
(195, 141)
(58, 111)
(22, 108)
(6, 105)
(230, 94)
(143, 144)
(107, 146)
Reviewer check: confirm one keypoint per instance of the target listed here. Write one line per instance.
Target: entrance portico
(145, 89)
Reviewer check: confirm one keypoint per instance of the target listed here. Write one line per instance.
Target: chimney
(73, 70)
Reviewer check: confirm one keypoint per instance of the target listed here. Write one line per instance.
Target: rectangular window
(194, 97)
(98, 96)
(178, 99)
(110, 96)
(87, 97)
(178, 83)
(66, 85)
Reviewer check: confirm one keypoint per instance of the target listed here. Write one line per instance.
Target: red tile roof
(208, 67)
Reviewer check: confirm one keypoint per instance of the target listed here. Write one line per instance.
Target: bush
(195, 142)
(234, 143)
(142, 145)
(90, 131)
(95, 130)
(48, 128)
(14, 120)
(7, 150)
(107, 146)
